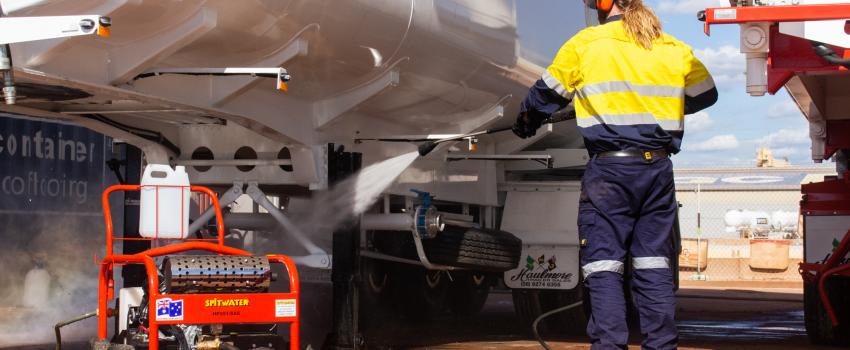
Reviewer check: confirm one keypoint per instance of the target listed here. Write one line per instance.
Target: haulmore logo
(540, 273)
(526, 275)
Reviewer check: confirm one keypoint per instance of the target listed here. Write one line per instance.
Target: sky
(730, 132)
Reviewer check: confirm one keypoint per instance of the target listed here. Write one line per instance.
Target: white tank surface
(360, 69)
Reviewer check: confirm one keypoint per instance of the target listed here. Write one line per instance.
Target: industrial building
(763, 204)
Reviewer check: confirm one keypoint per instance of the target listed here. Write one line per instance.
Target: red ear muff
(604, 5)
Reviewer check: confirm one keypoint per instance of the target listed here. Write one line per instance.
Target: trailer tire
(476, 249)
(531, 303)
(376, 282)
(818, 325)
(422, 294)
(469, 291)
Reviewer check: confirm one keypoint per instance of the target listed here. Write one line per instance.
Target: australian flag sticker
(169, 310)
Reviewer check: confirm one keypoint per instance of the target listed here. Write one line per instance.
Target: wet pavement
(710, 318)
(770, 319)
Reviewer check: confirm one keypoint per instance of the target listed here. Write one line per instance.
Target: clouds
(783, 143)
(786, 152)
(698, 122)
(724, 142)
(725, 63)
(688, 6)
(786, 143)
(784, 137)
(784, 110)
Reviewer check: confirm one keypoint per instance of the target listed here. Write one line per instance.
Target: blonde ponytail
(640, 22)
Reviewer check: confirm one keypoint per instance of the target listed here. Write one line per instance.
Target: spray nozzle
(427, 147)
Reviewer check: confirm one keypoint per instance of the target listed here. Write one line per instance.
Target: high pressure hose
(550, 313)
(58, 326)
(828, 54)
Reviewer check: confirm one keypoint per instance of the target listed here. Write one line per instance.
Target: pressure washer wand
(429, 146)
(557, 117)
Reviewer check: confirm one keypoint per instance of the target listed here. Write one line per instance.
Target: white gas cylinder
(36, 288)
(734, 218)
(164, 204)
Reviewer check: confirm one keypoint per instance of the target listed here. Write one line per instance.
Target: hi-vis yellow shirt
(626, 96)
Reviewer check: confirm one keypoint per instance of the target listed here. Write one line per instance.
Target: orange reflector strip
(282, 86)
(103, 31)
(473, 147)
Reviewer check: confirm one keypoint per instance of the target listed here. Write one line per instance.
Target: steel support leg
(318, 257)
(346, 262)
(133, 275)
(226, 199)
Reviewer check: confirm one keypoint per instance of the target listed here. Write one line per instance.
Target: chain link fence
(742, 225)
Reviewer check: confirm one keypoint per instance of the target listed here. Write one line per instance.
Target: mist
(48, 275)
(348, 199)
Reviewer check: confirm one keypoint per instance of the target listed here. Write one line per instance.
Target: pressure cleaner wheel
(476, 249)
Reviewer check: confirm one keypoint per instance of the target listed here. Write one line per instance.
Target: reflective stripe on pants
(651, 262)
(603, 265)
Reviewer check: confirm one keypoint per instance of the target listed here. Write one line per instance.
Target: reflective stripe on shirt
(630, 119)
(626, 86)
(700, 88)
(556, 86)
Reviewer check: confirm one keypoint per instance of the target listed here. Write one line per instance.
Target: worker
(631, 85)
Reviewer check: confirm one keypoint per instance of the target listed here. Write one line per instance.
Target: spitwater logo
(169, 310)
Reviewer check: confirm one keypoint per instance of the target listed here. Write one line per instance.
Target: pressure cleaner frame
(259, 308)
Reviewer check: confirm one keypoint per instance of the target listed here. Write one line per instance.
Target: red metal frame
(831, 197)
(784, 13)
(836, 136)
(819, 273)
(788, 55)
(254, 308)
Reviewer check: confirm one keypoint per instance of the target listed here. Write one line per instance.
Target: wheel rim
(376, 277)
(432, 279)
(374, 285)
(478, 279)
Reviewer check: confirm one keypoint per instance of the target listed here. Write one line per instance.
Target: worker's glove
(527, 124)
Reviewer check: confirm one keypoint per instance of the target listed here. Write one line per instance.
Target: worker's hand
(526, 125)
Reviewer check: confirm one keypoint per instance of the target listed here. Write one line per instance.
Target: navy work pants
(627, 208)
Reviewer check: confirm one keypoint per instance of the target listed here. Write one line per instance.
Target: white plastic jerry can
(164, 204)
